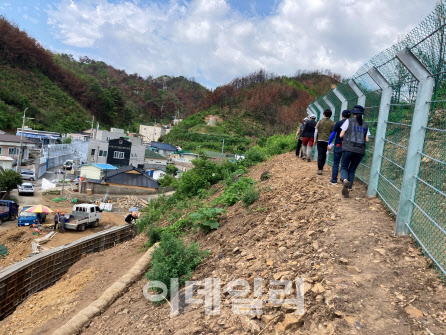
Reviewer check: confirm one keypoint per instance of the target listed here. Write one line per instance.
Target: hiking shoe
(319, 172)
(345, 188)
(333, 182)
(308, 159)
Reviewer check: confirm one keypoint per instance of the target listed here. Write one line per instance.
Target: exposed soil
(18, 239)
(359, 278)
(47, 310)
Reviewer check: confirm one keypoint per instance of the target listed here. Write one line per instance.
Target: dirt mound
(18, 243)
(358, 277)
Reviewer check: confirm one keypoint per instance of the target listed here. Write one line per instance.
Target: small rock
(324, 255)
(20, 330)
(236, 249)
(318, 288)
(282, 249)
(268, 318)
(350, 320)
(353, 269)
(343, 261)
(382, 252)
(310, 233)
(315, 245)
(287, 308)
(292, 320)
(269, 262)
(250, 257)
(280, 329)
(414, 312)
(250, 325)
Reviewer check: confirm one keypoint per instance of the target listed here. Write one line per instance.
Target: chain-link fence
(403, 91)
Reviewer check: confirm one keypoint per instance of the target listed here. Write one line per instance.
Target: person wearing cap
(337, 151)
(355, 134)
(62, 223)
(299, 142)
(321, 136)
(308, 137)
(56, 219)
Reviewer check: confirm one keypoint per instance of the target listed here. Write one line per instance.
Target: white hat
(312, 116)
(306, 119)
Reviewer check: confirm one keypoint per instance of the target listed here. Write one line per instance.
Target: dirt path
(359, 279)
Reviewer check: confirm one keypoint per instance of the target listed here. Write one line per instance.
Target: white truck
(82, 216)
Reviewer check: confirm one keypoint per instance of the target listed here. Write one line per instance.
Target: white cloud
(209, 40)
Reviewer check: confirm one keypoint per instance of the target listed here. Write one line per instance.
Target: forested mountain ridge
(250, 109)
(62, 93)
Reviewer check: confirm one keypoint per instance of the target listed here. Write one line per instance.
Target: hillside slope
(61, 93)
(250, 109)
(359, 278)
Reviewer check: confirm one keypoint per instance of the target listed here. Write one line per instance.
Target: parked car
(26, 188)
(82, 216)
(28, 175)
(28, 219)
(8, 210)
(68, 165)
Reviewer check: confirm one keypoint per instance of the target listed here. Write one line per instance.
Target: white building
(153, 133)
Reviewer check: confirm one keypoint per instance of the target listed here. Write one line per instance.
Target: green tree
(9, 180)
(172, 170)
(67, 140)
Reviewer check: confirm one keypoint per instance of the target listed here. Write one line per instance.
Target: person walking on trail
(355, 133)
(337, 151)
(299, 138)
(321, 136)
(308, 137)
(62, 223)
(56, 219)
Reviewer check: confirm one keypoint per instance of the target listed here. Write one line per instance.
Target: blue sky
(217, 40)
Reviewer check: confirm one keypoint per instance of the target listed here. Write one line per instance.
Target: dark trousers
(349, 163)
(337, 154)
(321, 154)
(299, 145)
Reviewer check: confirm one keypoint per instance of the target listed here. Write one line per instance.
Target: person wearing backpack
(355, 134)
(337, 146)
(299, 138)
(308, 137)
(321, 136)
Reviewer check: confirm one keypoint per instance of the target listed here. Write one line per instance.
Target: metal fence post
(344, 102)
(309, 111)
(332, 107)
(416, 139)
(381, 128)
(358, 92)
(313, 110)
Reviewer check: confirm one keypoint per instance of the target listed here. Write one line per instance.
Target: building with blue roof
(96, 171)
(164, 149)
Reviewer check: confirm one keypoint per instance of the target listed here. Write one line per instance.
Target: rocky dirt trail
(358, 277)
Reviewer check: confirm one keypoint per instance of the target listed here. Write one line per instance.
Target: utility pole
(19, 159)
(63, 181)
(92, 127)
(222, 148)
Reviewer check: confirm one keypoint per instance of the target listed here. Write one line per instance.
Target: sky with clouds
(217, 40)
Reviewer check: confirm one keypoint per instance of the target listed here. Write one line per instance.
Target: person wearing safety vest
(355, 134)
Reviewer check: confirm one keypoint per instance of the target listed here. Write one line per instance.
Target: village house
(39, 137)
(114, 147)
(151, 157)
(164, 149)
(126, 180)
(10, 146)
(96, 171)
(153, 133)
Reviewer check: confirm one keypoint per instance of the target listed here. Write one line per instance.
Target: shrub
(234, 191)
(166, 180)
(174, 259)
(254, 155)
(250, 196)
(207, 218)
(154, 234)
